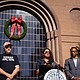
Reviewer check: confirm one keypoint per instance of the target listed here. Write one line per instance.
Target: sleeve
(16, 60)
(0, 60)
(67, 69)
(37, 65)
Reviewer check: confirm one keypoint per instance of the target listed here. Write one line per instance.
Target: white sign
(55, 74)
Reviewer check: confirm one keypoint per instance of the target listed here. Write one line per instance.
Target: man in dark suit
(72, 65)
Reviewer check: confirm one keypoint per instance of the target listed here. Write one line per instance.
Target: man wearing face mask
(72, 65)
(9, 63)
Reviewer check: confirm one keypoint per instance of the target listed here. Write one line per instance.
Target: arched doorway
(43, 13)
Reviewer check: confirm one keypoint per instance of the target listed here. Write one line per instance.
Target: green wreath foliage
(6, 31)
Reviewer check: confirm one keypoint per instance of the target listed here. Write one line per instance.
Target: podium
(43, 69)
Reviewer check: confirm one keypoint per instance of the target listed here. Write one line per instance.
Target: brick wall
(69, 23)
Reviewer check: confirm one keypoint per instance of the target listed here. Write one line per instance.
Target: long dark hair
(51, 56)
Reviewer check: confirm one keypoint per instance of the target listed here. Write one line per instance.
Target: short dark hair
(73, 48)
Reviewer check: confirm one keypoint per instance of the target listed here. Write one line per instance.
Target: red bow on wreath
(15, 22)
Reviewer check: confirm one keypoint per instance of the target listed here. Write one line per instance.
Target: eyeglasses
(73, 51)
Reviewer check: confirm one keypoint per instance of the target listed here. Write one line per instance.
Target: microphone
(55, 65)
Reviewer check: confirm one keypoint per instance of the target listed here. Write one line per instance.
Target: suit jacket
(70, 68)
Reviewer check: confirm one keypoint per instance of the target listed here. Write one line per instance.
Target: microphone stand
(60, 68)
(58, 71)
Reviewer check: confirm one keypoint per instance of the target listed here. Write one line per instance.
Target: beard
(74, 55)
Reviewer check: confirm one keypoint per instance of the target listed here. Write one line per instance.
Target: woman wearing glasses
(9, 64)
(45, 63)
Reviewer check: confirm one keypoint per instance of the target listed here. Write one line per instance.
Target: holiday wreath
(15, 22)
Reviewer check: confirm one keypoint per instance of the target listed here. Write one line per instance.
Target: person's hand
(78, 78)
(9, 76)
(74, 78)
(8, 79)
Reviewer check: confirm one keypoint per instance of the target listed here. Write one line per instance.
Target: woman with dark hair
(45, 63)
(47, 55)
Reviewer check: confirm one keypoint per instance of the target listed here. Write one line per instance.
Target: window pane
(29, 48)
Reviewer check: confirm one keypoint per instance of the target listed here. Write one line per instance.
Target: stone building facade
(68, 18)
